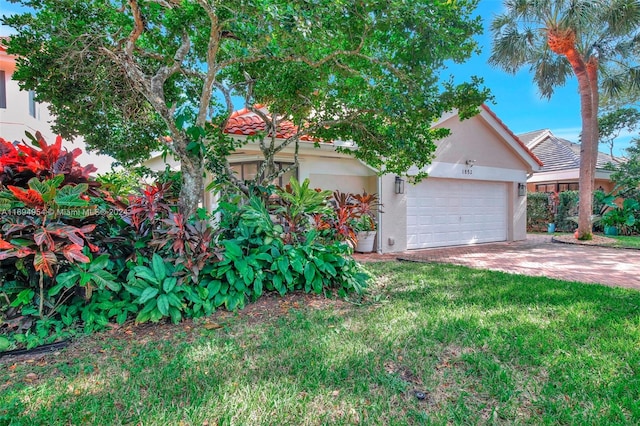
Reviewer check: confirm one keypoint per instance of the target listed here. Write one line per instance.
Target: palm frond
(550, 71)
(513, 48)
(611, 85)
(622, 17)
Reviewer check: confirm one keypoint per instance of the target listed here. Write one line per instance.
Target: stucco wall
(344, 174)
(15, 118)
(475, 139)
(324, 168)
(393, 228)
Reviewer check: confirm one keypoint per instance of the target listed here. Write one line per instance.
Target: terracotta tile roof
(517, 139)
(560, 154)
(247, 123)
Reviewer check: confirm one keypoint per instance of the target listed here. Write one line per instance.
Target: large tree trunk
(192, 185)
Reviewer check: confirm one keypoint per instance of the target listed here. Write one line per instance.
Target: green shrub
(256, 259)
(137, 257)
(538, 213)
(567, 209)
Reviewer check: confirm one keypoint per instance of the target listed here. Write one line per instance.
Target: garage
(448, 212)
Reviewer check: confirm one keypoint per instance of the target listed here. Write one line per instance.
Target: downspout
(379, 250)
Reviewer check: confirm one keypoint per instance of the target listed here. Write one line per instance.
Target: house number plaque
(467, 171)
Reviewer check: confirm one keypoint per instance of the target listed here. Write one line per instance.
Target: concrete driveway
(538, 256)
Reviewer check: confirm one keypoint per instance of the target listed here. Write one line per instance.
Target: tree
(627, 174)
(589, 39)
(125, 74)
(612, 123)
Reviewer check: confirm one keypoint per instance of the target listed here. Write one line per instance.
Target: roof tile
(247, 122)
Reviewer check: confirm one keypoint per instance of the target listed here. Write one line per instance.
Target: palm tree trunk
(589, 155)
(588, 90)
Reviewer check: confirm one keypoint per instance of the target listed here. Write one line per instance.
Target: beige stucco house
(19, 112)
(561, 158)
(475, 192)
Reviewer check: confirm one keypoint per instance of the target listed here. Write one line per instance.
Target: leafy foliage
(20, 162)
(153, 263)
(538, 212)
(627, 174)
(615, 122)
(255, 260)
(624, 217)
(126, 76)
(296, 205)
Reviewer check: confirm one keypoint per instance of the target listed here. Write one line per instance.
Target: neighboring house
(475, 192)
(19, 112)
(561, 159)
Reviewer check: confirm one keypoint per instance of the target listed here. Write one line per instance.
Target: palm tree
(595, 40)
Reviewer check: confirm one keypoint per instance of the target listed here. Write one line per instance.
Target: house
(561, 160)
(19, 112)
(475, 192)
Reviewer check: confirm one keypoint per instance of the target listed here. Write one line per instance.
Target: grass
(484, 348)
(627, 241)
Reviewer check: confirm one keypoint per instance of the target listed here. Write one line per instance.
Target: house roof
(558, 153)
(246, 122)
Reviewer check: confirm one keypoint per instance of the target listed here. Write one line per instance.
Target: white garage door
(448, 212)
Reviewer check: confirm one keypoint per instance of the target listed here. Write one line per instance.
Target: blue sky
(517, 102)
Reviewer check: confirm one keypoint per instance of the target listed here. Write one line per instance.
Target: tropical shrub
(47, 223)
(623, 217)
(567, 209)
(296, 205)
(538, 212)
(76, 257)
(256, 259)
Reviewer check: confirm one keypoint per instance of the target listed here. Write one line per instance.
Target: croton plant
(44, 204)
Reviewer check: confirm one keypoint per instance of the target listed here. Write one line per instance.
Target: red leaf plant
(19, 162)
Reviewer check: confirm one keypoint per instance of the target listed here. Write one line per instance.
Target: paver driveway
(538, 256)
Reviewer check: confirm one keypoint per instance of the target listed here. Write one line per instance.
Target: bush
(46, 226)
(567, 209)
(83, 258)
(538, 212)
(257, 259)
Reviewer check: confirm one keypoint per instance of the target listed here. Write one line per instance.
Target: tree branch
(212, 51)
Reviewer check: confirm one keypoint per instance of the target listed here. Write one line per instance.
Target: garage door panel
(444, 212)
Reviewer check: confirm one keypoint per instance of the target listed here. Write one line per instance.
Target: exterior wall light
(470, 163)
(522, 189)
(399, 185)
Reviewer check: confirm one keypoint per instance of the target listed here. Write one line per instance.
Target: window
(567, 187)
(3, 90)
(550, 187)
(249, 170)
(32, 103)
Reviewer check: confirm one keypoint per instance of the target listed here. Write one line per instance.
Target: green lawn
(484, 348)
(627, 241)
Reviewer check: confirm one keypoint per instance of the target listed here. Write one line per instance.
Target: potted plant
(617, 218)
(365, 229)
(366, 208)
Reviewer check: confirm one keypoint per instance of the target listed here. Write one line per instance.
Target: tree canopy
(627, 174)
(597, 41)
(133, 75)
